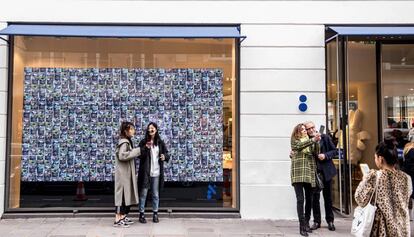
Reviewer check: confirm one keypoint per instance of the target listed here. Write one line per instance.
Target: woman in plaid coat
(303, 170)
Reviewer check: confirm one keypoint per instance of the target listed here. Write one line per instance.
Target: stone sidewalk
(168, 227)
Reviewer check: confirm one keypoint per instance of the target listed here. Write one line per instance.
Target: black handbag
(319, 181)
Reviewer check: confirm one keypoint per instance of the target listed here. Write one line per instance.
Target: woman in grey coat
(126, 190)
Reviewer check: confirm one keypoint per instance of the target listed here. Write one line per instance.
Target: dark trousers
(123, 209)
(327, 197)
(303, 193)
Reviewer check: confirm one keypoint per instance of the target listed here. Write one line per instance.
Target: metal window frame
(342, 74)
(77, 210)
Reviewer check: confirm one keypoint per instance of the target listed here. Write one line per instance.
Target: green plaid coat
(303, 167)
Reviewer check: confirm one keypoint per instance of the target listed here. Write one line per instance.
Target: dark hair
(156, 136)
(387, 150)
(125, 126)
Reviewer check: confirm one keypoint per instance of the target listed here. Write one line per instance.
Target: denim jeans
(155, 195)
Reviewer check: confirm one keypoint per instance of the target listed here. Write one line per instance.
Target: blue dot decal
(303, 98)
(303, 107)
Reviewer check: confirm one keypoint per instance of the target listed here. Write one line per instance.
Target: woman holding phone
(151, 170)
(303, 171)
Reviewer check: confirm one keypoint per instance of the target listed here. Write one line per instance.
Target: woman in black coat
(408, 167)
(151, 170)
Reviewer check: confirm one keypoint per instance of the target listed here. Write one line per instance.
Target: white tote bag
(364, 216)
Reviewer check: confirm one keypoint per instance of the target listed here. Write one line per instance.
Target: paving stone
(136, 235)
(266, 235)
(265, 230)
(67, 235)
(102, 227)
(169, 236)
(197, 234)
(233, 235)
(200, 230)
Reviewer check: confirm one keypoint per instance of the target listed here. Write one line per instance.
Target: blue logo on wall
(302, 106)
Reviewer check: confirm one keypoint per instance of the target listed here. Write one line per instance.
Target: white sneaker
(128, 221)
(121, 223)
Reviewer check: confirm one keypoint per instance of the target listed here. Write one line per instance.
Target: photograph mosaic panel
(71, 118)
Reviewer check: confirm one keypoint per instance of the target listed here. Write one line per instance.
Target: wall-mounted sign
(303, 106)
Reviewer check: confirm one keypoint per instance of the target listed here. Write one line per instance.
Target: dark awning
(373, 30)
(124, 31)
(370, 31)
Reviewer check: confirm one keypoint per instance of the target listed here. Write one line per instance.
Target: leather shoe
(307, 228)
(155, 217)
(331, 226)
(142, 218)
(303, 231)
(315, 226)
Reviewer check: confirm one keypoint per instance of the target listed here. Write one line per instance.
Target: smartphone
(321, 129)
(364, 168)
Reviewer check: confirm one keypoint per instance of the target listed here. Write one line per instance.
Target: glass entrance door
(337, 120)
(352, 113)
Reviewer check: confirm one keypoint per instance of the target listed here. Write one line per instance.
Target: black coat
(327, 166)
(144, 171)
(408, 166)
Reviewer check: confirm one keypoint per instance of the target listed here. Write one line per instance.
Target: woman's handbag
(319, 181)
(364, 216)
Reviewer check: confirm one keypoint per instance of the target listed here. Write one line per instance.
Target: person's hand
(162, 157)
(148, 144)
(321, 156)
(317, 137)
(292, 153)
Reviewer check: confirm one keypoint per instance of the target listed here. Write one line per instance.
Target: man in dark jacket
(326, 167)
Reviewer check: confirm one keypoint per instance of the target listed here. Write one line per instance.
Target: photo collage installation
(71, 118)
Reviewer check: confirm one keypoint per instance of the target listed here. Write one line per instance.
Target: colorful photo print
(71, 118)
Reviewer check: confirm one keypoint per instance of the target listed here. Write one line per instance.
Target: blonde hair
(297, 132)
(408, 147)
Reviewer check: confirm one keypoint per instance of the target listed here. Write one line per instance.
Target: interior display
(357, 136)
(71, 118)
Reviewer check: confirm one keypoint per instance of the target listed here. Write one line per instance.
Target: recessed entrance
(370, 96)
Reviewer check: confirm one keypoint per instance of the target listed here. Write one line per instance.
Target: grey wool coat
(125, 178)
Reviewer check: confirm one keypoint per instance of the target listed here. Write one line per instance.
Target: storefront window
(398, 93)
(70, 95)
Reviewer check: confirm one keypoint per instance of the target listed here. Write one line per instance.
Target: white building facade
(284, 56)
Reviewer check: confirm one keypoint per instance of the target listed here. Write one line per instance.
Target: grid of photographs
(71, 118)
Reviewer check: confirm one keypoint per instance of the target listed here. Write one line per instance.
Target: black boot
(155, 217)
(307, 227)
(142, 218)
(315, 226)
(302, 230)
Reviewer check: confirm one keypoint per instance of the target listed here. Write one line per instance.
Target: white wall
(282, 58)
(278, 64)
(246, 12)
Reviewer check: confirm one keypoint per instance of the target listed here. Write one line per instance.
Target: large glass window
(397, 72)
(70, 95)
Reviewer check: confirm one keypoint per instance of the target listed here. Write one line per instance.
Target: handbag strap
(377, 175)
